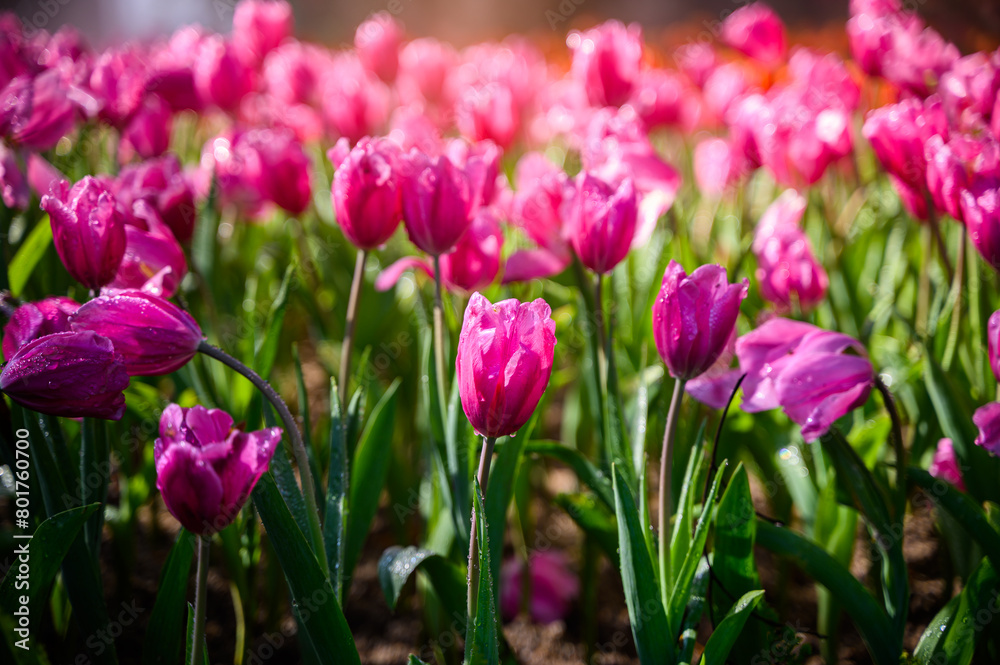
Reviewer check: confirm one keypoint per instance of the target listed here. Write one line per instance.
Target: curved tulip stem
(352, 312)
(298, 446)
(485, 458)
(200, 600)
(439, 363)
(666, 497)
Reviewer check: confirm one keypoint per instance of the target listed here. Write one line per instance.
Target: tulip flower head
(437, 201)
(206, 469)
(366, 193)
(694, 317)
(505, 354)
(945, 464)
(607, 61)
(601, 221)
(68, 374)
(987, 419)
(37, 319)
(756, 31)
(788, 272)
(553, 586)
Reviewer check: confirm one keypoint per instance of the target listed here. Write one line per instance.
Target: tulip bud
(945, 464)
(756, 31)
(37, 319)
(601, 221)
(69, 374)
(366, 193)
(153, 335)
(505, 354)
(694, 317)
(788, 272)
(88, 230)
(436, 202)
(205, 469)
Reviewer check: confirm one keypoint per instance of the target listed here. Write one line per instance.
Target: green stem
(898, 446)
(352, 311)
(956, 312)
(666, 497)
(200, 600)
(439, 362)
(924, 285)
(298, 447)
(485, 458)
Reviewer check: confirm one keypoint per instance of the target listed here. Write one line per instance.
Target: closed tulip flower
(987, 419)
(607, 61)
(153, 335)
(601, 221)
(69, 374)
(206, 469)
(14, 190)
(377, 42)
(35, 112)
(148, 132)
(436, 202)
(694, 318)
(504, 362)
(553, 586)
(756, 31)
(259, 26)
(945, 464)
(220, 76)
(366, 193)
(980, 205)
(788, 271)
(88, 230)
(37, 319)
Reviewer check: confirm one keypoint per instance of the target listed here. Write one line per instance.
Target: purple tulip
(993, 342)
(148, 132)
(118, 83)
(606, 60)
(987, 419)
(355, 102)
(504, 362)
(206, 469)
(694, 317)
(601, 221)
(14, 190)
(945, 464)
(154, 262)
(553, 586)
(437, 201)
(946, 172)
(153, 335)
(756, 31)
(259, 26)
(219, 74)
(165, 187)
(37, 319)
(788, 272)
(88, 230)
(366, 194)
(980, 206)
(69, 374)
(36, 112)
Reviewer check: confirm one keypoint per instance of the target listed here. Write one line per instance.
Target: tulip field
(599, 349)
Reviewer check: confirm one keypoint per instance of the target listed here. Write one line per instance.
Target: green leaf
(338, 480)
(692, 614)
(368, 473)
(618, 445)
(963, 632)
(415, 661)
(162, 643)
(596, 520)
(482, 643)
(203, 241)
(932, 640)
(499, 492)
(45, 551)
(312, 595)
(963, 508)
(680, 537)
(681, 591)
(284, 478)
(28, 255)
(189, 639)
(456, 446)
(585, 471)
(398, 564)
(721, 642)
(653, 641)
(870, 619)
(266, 348)
(95, 472)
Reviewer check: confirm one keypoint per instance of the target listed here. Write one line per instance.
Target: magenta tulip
(355, 102)
(606, 60)
(788, 272)
(366, 193)
(601, 221)
(88, 230)
(694, 317)
(553, 586)
(118, 83)
(980, 207)
(37, 319)
(221, 77)
(69, 374)
(945, 464)
(36, 112)
(377, 41)
(205, 468)
(14, 190)
(163, 184)
(987, 419)
(148, 132)
(993, 343)
(437, 201)
(505, 354)
(152, 334)
(259, 26)
(154, 262)
(756, 31)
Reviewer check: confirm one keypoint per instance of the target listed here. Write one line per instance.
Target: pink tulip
(148, 132)
(980, 207)
(987, 419)
(788, 272)
(663, 99)
(37, 319)
(607, 59)
(945, 464)
(220, 75)
(377, 41)
(42, 175)
(205, 468)
(536, 208)
(171, 74)
(68, 374)
(946, 174)
(993, 342)
(118, 82)
(14, 190)
(366, 194)
(726, 84)
(969, 89)
(36, 112)
(165, 187)
(553, 586)
(292, 73)
(437, 201)
(505, 354)
(153, 260)
(718, 166)
(488, 112)
(756, 31)
(153, 335)
(286, 169)
(601, 221)
(355, 102)
(696, 59)
(694, 318)
(259, 26)
(424, 67)
(88, 230)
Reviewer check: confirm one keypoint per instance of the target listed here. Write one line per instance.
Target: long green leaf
(680, 537)
(338, 480)
(398, 564)
(313, 599)
(482, 644)
(932, 640)
(499, 492)
(692, 615)
(653, 640)
(972, 618)
(368, 473)
(870, 619)
(725, 634)
(266, 347)
(28, 255)
(162, 643)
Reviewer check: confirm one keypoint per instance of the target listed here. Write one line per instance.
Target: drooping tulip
(69, 374)
(945, 464)
(37, 319)
(437, 201)
(504, 361)
(260, 26)
(366, 193)
(206, 469)
(756, 31)
(153, 335)
(606, 60)
(788, 272)
(553, 586)
(694, 317)
(88, 230)
(601, 221)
